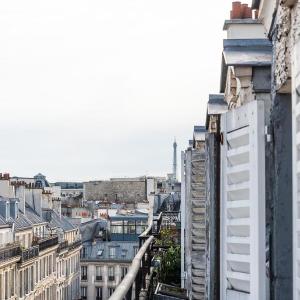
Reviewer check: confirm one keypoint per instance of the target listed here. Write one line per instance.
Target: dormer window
(112, 252)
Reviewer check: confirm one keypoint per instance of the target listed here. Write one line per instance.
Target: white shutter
(243, 263)
(296, 170)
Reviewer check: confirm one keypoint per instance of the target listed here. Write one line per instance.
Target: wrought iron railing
(75, 244)
(29, 253)
(10, 251)
(62, 246)
(47, 242)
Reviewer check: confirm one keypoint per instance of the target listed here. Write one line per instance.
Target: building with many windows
(39, 248)
(108, 249)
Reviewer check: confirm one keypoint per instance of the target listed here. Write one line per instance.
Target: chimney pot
(246, 12)
(236, 12)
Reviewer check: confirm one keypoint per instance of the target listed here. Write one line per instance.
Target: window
(6, 279)
(83, 291)
(136, 250)
(111, 273)
(112, 252)
(32, 278)
(124, 252)
(21, 284)
(110, 291)
(26, 281)
(50, 265)
(36, 272)
(124, 272)
(83, 252)
(98, 293)
(98, 273)
(12, 282)
(84, 273)
(117, 229)
(131, 227)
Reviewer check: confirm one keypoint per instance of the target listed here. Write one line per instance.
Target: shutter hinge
(221, 138)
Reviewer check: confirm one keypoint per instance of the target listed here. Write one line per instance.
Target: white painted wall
(6, 236)
(6, 190)
(246, 31)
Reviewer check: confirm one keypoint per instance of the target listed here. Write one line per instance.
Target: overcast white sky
(94, 89)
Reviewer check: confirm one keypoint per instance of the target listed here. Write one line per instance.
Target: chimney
(246, 12)
(240, 11)
(243, 23)
(236, 12)
(20, 194)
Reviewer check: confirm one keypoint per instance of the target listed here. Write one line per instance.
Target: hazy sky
(96, 89)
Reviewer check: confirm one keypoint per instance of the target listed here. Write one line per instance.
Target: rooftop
(100, 251)
(56, 221)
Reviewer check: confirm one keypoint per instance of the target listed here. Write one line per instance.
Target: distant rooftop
(69, 185)
(123, 251)
(199, 133)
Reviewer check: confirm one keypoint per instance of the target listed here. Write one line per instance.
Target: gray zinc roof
(33, 216)
(199, 133)
(216, 105)
(22, 222)
(3, 223)
(56, 221)
(124, 251)
(91, 229)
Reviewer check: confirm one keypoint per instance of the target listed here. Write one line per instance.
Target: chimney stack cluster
(18, 183)
(240, 11)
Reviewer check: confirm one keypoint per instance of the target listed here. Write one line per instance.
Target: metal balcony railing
(29, 253)
(138, 278)
(47, 242)
(62, 246)
(10, 251)
(76, 244)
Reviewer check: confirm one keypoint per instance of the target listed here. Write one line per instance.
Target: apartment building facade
(108, 249)
(39, 248)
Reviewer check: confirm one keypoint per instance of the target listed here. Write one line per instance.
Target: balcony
(141, 272)
(29, 253)
(75, 245)
(10, 251)
(47, 242)
(62, 246)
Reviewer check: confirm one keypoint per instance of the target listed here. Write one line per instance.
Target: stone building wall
(286, 36)
(116, 191)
